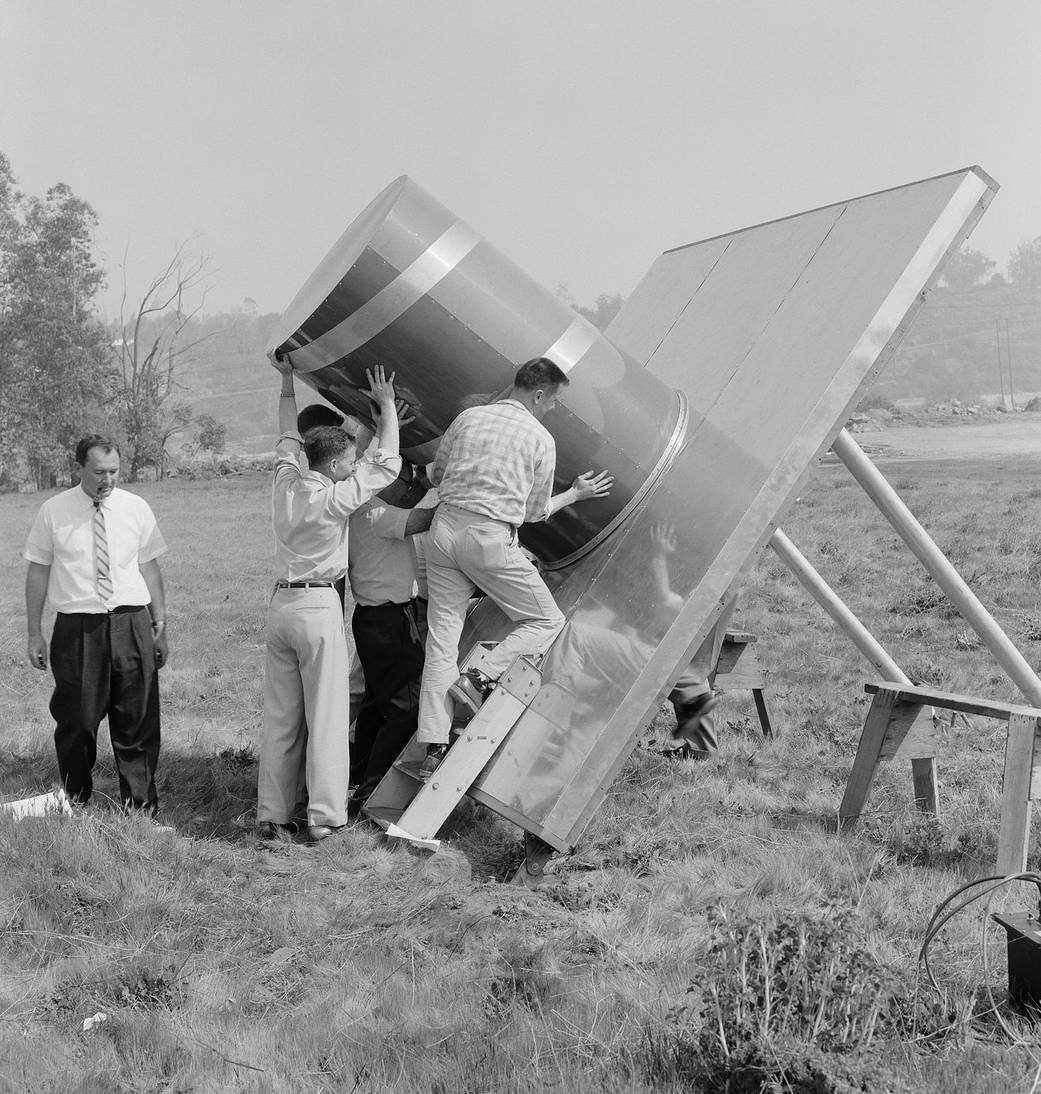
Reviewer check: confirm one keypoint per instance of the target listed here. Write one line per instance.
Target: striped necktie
(102, 574)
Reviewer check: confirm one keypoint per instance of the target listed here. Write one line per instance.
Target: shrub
(875, 400)
(211, 465)
(796, 1004)
(804, 978)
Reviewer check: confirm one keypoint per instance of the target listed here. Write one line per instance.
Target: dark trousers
(105, 664)
(389, 641)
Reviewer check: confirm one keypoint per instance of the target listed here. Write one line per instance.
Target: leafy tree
(210, 433)
(54, 375)
(607, 306)
(601, 313)
(1024, 265)
(156, 337)
(967, 269)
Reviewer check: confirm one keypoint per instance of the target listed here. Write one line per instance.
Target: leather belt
(304, 584)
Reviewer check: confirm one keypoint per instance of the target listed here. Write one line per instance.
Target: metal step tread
(409, 768)
(383, 815)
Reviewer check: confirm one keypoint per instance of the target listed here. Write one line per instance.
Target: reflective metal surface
(772, 333)
(412, 287)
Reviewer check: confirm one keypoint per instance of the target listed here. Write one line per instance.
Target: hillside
(952, 351)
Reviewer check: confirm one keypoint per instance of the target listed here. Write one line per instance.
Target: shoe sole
(469, 705)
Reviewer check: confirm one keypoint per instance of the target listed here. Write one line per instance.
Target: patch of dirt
(1003, 436)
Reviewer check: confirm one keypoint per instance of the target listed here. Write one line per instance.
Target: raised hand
(381, 388)
(592, 485)
(280, 364)
(663, 537)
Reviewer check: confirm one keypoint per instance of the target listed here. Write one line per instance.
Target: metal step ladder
(408, 808)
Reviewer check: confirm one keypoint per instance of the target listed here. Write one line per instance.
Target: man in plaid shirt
(493, 471)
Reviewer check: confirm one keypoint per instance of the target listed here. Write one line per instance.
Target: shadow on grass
(200, 794)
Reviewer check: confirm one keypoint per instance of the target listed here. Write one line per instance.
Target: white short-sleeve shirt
(382, 567)
(62, 537)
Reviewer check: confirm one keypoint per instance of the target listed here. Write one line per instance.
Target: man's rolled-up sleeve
(388, 521)
(371, 475)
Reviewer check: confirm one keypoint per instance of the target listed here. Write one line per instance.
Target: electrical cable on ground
(943, 914)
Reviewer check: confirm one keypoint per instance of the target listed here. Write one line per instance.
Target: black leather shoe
(689, 715)
(317, 832)
(276, 833)
(432, 760)
(469, 693)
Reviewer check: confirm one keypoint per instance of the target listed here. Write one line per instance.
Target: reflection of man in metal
(590, 657)
(93, 553)
(494, 471)
(692, 697)
(305, 686)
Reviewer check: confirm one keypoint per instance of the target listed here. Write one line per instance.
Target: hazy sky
(581, 138)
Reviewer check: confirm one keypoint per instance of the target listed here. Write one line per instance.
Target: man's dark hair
(94, 440)
(539, 372)
(324, 443)
(317, 414)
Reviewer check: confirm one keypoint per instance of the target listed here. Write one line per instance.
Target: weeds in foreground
(362, 967)
(799, 1004)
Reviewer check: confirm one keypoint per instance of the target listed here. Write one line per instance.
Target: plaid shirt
(497, 460)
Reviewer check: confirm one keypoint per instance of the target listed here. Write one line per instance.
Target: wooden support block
(965, 704)
(926, 788)
(910, 735)
(862, 774)
(764, 715)
(737, 667)
(1016, 790)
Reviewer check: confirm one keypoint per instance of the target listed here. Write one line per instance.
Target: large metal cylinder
(412, 287)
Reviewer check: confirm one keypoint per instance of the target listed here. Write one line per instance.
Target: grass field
(711, 932)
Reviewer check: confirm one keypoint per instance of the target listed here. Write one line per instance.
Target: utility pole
(1008, 353)
(1001, 372)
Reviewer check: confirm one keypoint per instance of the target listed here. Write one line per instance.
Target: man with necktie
(93, 553)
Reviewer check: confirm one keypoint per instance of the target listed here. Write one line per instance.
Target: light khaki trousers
(306, 705)
(467, 551)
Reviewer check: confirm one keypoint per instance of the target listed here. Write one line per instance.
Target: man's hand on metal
(590, 485)
(405, 415)
(281, 363)
(381, 388)
(37, 651)
(663, 537)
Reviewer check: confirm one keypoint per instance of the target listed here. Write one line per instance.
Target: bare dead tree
(155, 338)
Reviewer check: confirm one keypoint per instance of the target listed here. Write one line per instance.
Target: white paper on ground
(56, 801)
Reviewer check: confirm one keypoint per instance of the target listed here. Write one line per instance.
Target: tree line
(165, 374)
(65, 373)
(977, 334)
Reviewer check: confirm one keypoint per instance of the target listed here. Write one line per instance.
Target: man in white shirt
(93, 554)
(306, 700)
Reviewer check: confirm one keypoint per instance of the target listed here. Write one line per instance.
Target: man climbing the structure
(494, 471)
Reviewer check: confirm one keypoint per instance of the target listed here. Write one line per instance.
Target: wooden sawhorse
(737, 669)
(894, 724)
